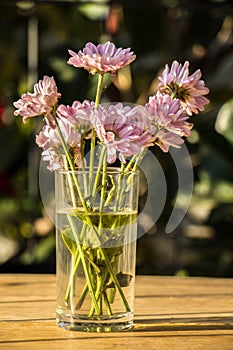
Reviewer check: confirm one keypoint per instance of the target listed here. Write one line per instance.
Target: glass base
(116, 324)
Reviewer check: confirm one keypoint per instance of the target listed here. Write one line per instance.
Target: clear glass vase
(96, 220)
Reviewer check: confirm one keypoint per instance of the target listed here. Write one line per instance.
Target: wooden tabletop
(185, 313)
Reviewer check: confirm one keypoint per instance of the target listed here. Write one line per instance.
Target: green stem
(112, 292)
(86, 272)
(82, 297)
(73, 197)
(99, 278)
(83, 168)
(135, 160)
(69, 296)
(98, 296)
(118, 194)
(99, 90)
(64, 146)
(114, 278)
(111, 192)
(139, 158)
(71, 164)
(75, 266)
(93, 138)
(102, 157)
(104, 177)
(100, 290)
(107, 303)
(131, 162)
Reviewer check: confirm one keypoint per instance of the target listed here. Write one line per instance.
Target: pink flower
(103, 58)
(166, 139)
(40, 102)
(167, 114)
(77, 115)
(189, 89)
(49, 140)
(122, 130)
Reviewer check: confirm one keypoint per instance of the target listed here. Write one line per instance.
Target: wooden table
(170, 313)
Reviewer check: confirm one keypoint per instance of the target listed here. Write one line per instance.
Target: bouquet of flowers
(90, 136)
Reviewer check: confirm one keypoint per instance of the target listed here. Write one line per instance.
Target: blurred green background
(34, 39)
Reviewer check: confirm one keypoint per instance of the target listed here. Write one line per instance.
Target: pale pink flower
(48, 89)
(189, 89)
(121, 130)
(103, 58)
(168, 114)
(165, 139)
(40, 102)
(30, 105)
(77, 115)
(53, 152)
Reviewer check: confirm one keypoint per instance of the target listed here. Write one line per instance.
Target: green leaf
(69, 242)
(124, 280)
(224, 121)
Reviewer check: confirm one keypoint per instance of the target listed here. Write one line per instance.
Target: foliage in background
(158, 32)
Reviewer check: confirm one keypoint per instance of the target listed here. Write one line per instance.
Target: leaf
(224, 121)
(69, 242)
(124, 280)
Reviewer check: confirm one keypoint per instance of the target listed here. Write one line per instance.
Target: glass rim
(110, 170)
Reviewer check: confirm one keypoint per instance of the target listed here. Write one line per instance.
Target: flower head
(122, 130)
(50, 141)
(166, 139)
(77, 115)
(103, 58)
(168, 114)
(189, 89)
(169, 121)
(40, 102)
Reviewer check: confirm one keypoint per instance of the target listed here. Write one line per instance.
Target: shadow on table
(184, 323)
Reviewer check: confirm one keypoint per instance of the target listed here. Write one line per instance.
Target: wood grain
(170, 312)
